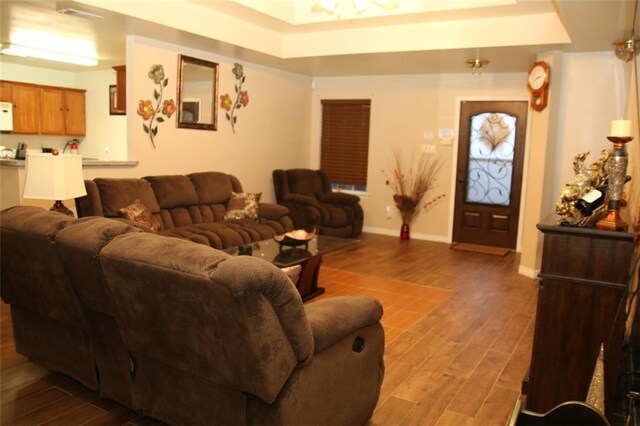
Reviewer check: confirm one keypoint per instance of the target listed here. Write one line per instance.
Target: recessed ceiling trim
(489, 32)
(435, 35)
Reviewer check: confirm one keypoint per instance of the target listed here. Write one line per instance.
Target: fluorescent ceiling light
(24, 51)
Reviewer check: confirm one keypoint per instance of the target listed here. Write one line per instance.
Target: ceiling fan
(329, 6)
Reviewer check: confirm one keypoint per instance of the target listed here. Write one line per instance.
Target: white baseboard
(522, 270)
(528, 272)
(416, 236)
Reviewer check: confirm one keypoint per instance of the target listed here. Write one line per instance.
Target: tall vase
(404, 231)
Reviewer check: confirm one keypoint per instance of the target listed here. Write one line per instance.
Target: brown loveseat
(312, 203)
(191, 207)
(183, 332)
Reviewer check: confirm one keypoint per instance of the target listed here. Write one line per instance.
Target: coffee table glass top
(284, 256)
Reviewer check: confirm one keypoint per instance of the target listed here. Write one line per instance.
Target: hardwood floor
(458, 327)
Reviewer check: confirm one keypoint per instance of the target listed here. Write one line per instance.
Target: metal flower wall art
(153, 114)
(242, 97)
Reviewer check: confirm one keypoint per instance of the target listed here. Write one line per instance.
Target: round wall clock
(538, 84)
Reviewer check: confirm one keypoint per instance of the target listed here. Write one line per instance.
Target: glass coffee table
(309, 256)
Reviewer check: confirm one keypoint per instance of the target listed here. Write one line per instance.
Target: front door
(489, 175)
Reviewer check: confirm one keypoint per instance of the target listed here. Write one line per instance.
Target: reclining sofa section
(190, 207)
(182, 332)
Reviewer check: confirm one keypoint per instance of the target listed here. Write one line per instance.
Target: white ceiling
(421, 36)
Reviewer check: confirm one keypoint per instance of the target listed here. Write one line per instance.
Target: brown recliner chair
(48, 321)
(226, 340)
(312, 204)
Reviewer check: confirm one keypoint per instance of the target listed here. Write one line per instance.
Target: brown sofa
(183, 332)
(312, 204)
(191, 207)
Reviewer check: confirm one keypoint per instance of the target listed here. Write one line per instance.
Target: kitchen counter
(10, 162)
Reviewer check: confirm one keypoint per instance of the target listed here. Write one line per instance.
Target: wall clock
(538, 84)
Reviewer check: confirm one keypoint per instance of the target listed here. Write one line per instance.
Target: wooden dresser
(582, 303)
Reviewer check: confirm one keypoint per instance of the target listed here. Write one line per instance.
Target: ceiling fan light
(329, 5)
(360, 5)
(477, 65)
(626, 49)
(387, 4)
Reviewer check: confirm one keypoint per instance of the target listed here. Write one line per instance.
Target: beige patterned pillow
(241, 205)
(138, 212)
(293, 273)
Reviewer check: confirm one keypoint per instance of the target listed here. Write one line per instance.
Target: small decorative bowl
(299, 237)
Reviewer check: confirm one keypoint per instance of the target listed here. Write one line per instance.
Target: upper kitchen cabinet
(62, 111)
(46, 110)
(121, 87)
(5, 91)
(26, 100)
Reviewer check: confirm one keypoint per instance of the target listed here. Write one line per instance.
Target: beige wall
(271, 132)
(280, 128)
(588, 90)
(405, 109)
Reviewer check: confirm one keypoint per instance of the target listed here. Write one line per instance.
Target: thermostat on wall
(446, 136)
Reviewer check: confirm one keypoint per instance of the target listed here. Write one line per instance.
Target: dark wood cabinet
(121, 87)
(582, 299)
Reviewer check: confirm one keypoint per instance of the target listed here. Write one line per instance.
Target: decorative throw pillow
(241, 205)
(138, 212)
(293, 273)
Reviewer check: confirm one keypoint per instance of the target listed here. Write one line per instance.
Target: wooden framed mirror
(197, 94)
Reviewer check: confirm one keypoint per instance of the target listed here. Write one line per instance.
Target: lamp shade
(54, 177)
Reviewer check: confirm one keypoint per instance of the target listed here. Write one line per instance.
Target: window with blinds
(344, 151)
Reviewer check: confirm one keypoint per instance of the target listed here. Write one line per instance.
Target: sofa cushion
(117, 193)
(242, 205)
(173, 191)
(214, 187)
(139, 213)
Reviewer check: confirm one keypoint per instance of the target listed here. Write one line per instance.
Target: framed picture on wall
(113, 96)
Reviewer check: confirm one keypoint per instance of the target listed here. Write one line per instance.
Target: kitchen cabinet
(121, 87)
(62, 112)
(5, 91)
(45, 110)
(582, 300)
(26, 115)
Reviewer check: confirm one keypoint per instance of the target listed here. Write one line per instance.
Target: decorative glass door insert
(491, 154)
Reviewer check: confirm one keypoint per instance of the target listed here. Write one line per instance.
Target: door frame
(525, 165)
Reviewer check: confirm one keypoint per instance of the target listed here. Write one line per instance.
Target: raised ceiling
(420, 36)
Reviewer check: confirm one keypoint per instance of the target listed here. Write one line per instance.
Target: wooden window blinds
(345, 140)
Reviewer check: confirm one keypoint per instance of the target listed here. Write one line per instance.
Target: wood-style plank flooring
(458, 327)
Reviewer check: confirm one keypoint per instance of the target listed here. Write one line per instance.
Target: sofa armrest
(301, 199)
(272, 211)
(340, 198)
(333, 319)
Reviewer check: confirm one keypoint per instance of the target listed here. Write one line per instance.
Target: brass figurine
(582, 182)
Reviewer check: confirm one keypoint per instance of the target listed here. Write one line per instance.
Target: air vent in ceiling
(78, 13)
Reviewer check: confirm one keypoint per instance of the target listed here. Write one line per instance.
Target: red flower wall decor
(148, 111)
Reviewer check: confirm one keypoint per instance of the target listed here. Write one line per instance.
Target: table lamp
(54, 177)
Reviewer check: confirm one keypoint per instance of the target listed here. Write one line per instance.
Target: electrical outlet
(106, 149)
(428, 148)
(387, 211)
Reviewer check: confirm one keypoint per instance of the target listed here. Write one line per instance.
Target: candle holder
(617, 170)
